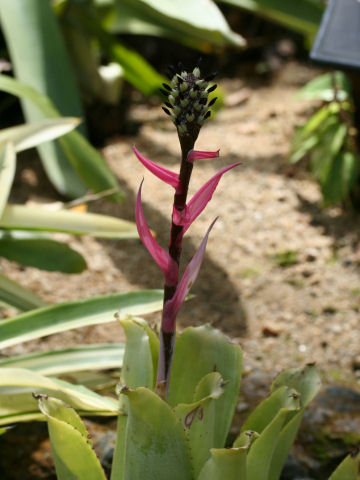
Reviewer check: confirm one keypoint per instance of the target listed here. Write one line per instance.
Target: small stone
(271, 330)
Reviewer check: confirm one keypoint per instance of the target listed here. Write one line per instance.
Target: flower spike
(163, 173)
(161, 257)
(200, 154)
(172, 306)
(199, 201)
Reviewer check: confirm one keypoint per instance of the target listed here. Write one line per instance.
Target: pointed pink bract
(172, 307)
(199, 201)
(200, 154)
(161, 257)
(163, 173)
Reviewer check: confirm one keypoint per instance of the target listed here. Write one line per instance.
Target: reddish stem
(167, 338)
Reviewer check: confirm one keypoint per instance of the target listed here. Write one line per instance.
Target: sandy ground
(269, 214)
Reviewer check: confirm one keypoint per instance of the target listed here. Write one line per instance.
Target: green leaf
(303, 16)
(155, 440)
(348, 469)
(38, 218)
(17, 403)
(263, 452)
(19, 297)
(136, 69)
(32, 27)
(86, 160)
(42, 253)
(322, 87)
(68, 435)
(217, 355)
(193, 23)
(198, 418)
(81, 313)
(306, 382)
(226, 463)
(138, 367)
(277, 419)
(32, 134)
(58, 362)
(342, 176)
(7, 173)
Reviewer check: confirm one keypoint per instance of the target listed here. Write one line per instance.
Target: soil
(281, 274)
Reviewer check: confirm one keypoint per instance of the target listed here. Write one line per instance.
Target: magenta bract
(161, 257)
(201, 154)
(172, 306)
(199, 201)
(163, 173)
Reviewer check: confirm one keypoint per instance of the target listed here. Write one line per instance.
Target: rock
(293, 470)
(330, 428)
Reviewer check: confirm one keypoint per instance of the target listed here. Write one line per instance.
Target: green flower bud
(176, 110)
(183, 86)
(196, 72)
(203, 94)
(182, 128)
(174, 81)
(184, 102)
(197, 106)
(201, 83)
(193, 93)
(190, 117)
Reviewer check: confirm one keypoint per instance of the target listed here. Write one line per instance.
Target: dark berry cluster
(187, 100)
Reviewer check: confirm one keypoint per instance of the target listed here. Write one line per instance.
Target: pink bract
(163, 173)
(172, 307)
(200, 154)
(161, 257)
(199, 201)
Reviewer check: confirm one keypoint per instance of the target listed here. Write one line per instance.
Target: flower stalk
(187, 105)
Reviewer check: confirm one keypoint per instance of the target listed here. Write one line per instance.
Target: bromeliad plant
(177, 399)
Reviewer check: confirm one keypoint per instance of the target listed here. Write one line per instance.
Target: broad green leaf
(349, 172)
(17, 386)
(2, 431)
(322, 87)
(267, 410)
(43, 253)
(302, 146)
(198, 419)
(316, 121)
(86, 160)
(32, 27)
(302, 16)
(291, 393)
(136, 69)
(19, 297)
(138, 368)
(7, 173)
(263, 452)
(81, 313)
(39, 218)
(349, 469)
(342, 176)
(229, 463)
(156, 446)
(217, 355)
(193, 23)
(33, 134)
(117, 470)
(307, 382)
(68, 435)
(58, 362)
(304, 380)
